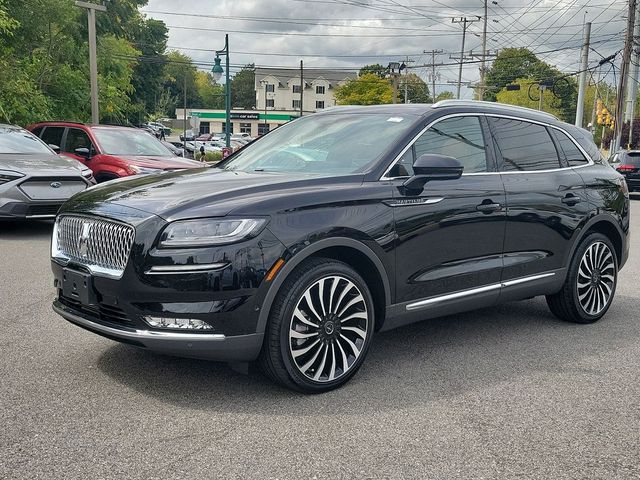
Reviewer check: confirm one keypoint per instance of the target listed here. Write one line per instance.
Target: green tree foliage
(367, 89)
(550, 103)
(243, 89)
(179, 72)
(211, 94)
(446, 95)
(417, 89)
(375, 69)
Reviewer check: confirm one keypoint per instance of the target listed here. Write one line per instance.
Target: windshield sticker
(395, 119)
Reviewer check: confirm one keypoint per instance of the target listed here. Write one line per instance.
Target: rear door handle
(488, 207)
(571, 199)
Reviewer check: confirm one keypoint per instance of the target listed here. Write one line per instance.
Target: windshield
(129, 142)
(14, 140)
(633, 158)
(330, 144)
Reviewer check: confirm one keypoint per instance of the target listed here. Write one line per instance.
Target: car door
(449, 237)
(546, 202)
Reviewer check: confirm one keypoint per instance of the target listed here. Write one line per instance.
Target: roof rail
(470, 103)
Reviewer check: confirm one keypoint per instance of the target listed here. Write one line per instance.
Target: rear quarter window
(572, 154)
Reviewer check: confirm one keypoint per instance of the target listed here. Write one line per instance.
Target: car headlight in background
(209, 232)
(144, 170)
(7, 176)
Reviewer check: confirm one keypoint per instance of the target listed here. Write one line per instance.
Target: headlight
(209, 232)
(7, 176)
(144, 170)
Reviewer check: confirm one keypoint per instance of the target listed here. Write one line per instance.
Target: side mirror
(83, 152)
(55, 148)
(431, 166)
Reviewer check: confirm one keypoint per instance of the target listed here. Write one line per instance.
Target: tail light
(627, 168)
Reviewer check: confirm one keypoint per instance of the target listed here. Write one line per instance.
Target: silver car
(34, 180)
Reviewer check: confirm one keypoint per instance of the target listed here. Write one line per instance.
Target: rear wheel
(320, 327)
(591, 282)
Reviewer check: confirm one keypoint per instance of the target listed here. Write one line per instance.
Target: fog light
(178, 323)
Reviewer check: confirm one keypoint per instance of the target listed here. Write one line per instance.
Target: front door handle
(488, 206)
(571, 199)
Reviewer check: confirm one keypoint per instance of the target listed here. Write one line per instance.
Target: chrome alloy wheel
(596, 278)
(328, 329)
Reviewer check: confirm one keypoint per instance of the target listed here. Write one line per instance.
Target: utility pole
(93, 62)
(184, 101)
(582, 85)
(624, 73)
(632, 81)
(596, 96)
(433, 71)
(484, 52)
(464, 21)
(301, 86)
(406, 72)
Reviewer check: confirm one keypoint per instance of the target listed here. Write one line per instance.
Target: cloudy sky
(347, 34)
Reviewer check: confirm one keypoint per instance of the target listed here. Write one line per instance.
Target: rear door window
(52, 136)
(523, 146)
(572, 153)
(632, 158)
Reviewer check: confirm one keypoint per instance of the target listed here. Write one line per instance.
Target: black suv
(340, 224)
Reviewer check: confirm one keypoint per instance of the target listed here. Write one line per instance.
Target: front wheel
(320, 327)
(591, 282)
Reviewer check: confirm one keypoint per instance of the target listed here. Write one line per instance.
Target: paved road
(504, 392)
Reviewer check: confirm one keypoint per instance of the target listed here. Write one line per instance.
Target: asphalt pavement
(504, 392)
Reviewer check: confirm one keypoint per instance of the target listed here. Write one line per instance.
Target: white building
(281, 88)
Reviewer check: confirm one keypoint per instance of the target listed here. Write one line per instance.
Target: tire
(591, 281)
(306, 349)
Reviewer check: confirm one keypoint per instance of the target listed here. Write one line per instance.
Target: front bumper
(213, 346)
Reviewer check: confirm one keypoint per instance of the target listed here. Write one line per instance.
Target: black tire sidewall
(293, 295)
(573, 274)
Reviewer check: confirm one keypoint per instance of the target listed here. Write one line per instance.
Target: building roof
(283, 75)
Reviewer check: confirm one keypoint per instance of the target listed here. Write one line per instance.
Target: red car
(111, 151)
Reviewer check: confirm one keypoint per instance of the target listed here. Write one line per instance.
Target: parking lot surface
(503, 392)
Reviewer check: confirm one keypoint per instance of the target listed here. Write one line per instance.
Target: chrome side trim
(532, 278)
(136, 334)
(589, 163)
(465, 293)
(177, 269)
(407, 202)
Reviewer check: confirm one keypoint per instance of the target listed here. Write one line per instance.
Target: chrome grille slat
(107, 246)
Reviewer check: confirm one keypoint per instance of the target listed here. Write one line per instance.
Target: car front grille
(103, 246)
(48, 210)
(101, 311)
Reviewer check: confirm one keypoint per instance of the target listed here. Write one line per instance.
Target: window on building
(224, 127)
(263, 128)
(296, 89)
(295, 104)
(270, 87)
(319, 105)
(460, 138)
(572, 154)
(320, 89)
(245, 128)
(523, 145)
(270, 102)
(205, 128)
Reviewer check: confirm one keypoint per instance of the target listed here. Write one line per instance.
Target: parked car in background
(627, 162)
(307, 242)
(160, 126)
(111, 151)
(34, 180)
(190, 136)
(177, 151)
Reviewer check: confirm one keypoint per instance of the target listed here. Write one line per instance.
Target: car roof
(79, 124)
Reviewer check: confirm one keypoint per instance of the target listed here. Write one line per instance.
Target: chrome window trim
(589, 163)
(474, 291)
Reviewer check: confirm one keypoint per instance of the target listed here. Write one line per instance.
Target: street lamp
(217, 71)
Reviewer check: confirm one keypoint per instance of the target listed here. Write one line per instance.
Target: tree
(417, 89)
(375, 69)
(550, 103)
(243, 88)
(177, 67)
(211, 94)
(368, 89)
(446, 95)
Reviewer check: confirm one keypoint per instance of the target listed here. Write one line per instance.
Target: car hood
(40, 163)
(165, 163)
(198, 193)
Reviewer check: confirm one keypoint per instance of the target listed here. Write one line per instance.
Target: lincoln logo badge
(83, 241)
